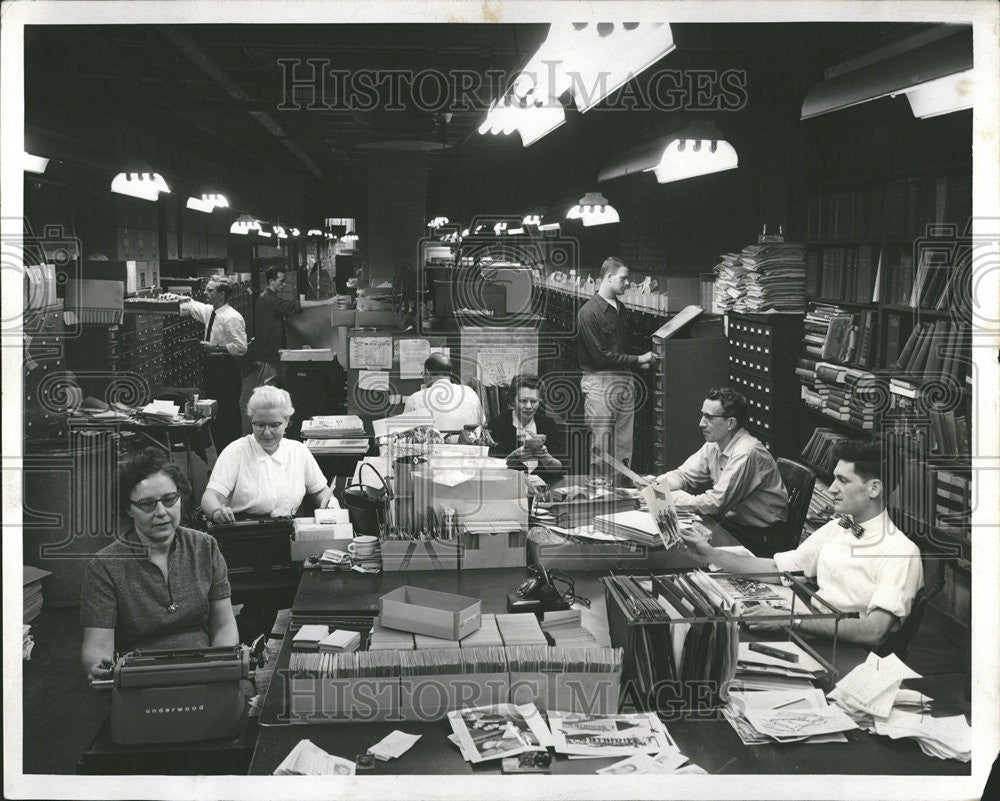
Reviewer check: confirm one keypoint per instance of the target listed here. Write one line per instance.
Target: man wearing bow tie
(860, 560)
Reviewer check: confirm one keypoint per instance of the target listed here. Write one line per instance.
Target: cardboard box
(400, 555)
(493, 545)
(432, 697)
(437, 614)
(307, 355)
(587, 693)
(314, 538)
(491, 492)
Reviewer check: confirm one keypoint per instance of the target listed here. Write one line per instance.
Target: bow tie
(848, 523)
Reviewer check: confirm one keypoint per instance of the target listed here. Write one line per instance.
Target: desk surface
(707, 740)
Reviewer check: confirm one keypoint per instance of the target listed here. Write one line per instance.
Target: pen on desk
(788, 703)
(777, 653)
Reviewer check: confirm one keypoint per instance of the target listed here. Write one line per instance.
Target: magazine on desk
(493, 732)
(609, 735)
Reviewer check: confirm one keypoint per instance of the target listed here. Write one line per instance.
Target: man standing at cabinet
(609, 394)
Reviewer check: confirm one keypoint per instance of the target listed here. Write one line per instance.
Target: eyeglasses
(714, 416)
(149, 504)
(269, 426)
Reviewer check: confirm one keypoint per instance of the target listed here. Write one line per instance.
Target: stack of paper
(785, 716)
(384, 639)
(307, 759)
(160, 410)
(487, 635)
(520, 630)
(335, 433)
(339, 641)
(755, 670)
(873, 685)
(730, 281)
(566, 628)
(393, 745)
(32, 580)
(945, 738)
(634, 525)
(402, 423)
(307, 638)
(775, 275)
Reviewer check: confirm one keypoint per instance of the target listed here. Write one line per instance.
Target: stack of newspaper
(335, 433)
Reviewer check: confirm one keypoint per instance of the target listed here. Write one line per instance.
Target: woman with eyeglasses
(526, 436)
(158, 585)
(263, 473)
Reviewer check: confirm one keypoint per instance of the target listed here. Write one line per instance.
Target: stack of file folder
(339, 641)
(635, 525)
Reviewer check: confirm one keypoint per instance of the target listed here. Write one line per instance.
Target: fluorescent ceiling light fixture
(437, 222)
(465, 232)
(587, 61)
(217, 199)
(279, 232)
(499, 228)
(532, 219)
(265, 234)
(515, 231)
(901, 67)
(549, 227)
(35, 164)
(314, 232)
(697, 149)
(593, 209)
(244, 225)
(143, 184)
(198, 204)
(943, 96)
(295, 232)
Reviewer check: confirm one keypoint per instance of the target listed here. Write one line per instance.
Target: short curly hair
(865, 455)
(139, 466)
(734, 404)
(269, 397)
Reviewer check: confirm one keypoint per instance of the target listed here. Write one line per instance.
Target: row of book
(835, 334)
(902, 209)
(940, 281)
(932, 350)
(819, 449)
(843, 273)
(842, 393)
(933, 496)
(768, 276)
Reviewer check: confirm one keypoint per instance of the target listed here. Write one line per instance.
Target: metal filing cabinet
(763, 350)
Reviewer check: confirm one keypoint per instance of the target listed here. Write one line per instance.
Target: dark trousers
(763, 542)
(223, 382)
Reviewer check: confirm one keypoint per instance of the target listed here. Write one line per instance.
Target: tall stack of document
(335, 433)
(635, 525)
(775, 274)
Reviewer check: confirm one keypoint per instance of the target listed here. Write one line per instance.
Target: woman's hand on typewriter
(223, 515)
(100, 672)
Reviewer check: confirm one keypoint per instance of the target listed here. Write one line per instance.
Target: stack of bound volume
(775, 277)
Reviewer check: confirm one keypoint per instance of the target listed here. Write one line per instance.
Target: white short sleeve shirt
(259, 483)
(879, 570)
(453, 406)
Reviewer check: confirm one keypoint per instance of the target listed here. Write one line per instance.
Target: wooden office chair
(799, 481)
(898, 642)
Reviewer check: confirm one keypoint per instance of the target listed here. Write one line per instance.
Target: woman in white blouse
(263, 473)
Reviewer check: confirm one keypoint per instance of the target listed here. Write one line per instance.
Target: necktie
(208, 331)
(846, 522)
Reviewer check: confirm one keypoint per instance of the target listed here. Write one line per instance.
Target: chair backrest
(799, 480)
(898, 642)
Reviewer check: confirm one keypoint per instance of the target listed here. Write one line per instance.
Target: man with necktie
(224, 340)
(860, 560)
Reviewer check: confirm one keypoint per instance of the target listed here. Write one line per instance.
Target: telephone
(539, 593)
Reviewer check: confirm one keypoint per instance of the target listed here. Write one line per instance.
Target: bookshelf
(887, 340)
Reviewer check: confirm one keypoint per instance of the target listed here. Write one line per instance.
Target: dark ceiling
(225, 85)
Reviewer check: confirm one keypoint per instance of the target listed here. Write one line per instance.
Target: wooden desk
(708, 739)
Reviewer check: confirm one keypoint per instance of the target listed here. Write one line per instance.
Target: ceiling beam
(188, 47)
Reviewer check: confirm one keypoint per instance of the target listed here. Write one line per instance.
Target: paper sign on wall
(371, 353)
(412, 355)
(373, 380)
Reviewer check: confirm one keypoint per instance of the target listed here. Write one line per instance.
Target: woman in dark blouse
(158, 585)
(526, 436)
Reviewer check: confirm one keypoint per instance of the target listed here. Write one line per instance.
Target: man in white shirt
(224, 339)
(453, 406)
(861, 561)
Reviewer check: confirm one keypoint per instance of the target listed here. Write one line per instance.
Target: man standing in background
(609, 394)
(270, 312)
(224, 339)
